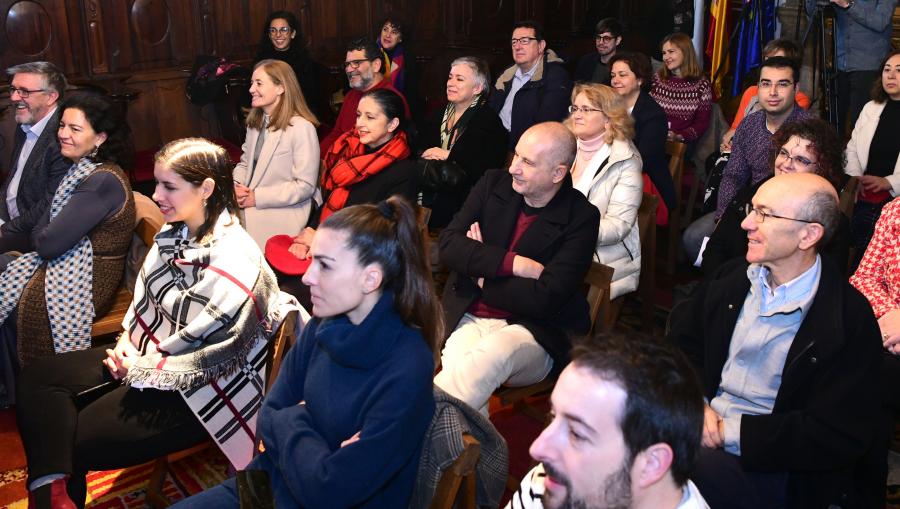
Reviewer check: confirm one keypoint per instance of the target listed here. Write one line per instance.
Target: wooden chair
(599, 278)
(848, 197)
(282, 340)
(146, 229)
(457, 485)
(675, 150)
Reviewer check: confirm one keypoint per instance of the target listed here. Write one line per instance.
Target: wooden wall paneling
(42, 30)
(96, 36)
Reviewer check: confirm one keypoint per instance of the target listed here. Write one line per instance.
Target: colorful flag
(718, 42)
(757, 28)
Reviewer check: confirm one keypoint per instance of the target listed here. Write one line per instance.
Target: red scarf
(348, 164)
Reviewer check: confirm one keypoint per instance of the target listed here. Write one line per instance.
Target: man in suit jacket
(518, 249)
(36, 167)
(789, 355)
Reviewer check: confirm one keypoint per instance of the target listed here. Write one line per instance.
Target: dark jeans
(725, 484)
(853, 89)
(63, 433)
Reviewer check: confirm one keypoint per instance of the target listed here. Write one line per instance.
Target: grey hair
(822, 208)
(479, 68)
(54, 79)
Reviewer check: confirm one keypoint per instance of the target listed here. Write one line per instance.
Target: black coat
(562, 238)
(398, 178)
(651, 130)
(480, 146)
(43, 171)
(586, 66)
(826, 409)
(729, 240)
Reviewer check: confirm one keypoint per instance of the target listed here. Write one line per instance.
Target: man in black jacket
(595, 66)
(519, 250)
(789, 356)
(36, 167)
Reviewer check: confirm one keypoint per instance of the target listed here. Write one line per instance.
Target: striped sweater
(687, 104)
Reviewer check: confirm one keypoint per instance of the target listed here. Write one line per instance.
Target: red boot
(51, 496)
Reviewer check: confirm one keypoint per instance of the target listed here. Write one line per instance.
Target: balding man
(519, 250)
(789, 354)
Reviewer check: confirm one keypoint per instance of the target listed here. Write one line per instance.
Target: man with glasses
(789, 356)
(752, 151)
(364, 66)
(594, 66)
(36, 167)
(536, 89)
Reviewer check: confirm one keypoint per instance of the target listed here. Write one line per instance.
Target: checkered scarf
(68, 285)
(201, 317)
(347, 163)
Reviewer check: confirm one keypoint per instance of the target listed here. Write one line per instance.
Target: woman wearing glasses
(805, 146)
(607, 170)
(282, 40)
(873, 153)
(276, 177)
(682, 91)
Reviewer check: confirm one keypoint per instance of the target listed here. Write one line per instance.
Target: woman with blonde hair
(276, 178)
(607, 170)
(682, 91)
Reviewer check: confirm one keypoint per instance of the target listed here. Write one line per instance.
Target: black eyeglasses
(524, 41)
(354, 64)
(282, 30)
(761, 216)
(604, 38)
(24, 92)
(584, 109)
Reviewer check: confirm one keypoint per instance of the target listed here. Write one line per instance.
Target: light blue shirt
(519, 80)
(763, 334)
(32, 133)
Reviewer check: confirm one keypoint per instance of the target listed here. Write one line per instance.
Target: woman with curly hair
(806, 146)
(281, 39)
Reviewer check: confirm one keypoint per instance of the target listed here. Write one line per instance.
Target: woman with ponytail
(344, 422)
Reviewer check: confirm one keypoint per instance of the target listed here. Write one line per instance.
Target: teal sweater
(340, 378)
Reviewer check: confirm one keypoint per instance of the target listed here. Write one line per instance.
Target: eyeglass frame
(282, 30)
(795, 159)
(780, 84)
(522, 41)
(762, 215)
(583, 109)
(605, 38)
(24, 92)
(354, 64)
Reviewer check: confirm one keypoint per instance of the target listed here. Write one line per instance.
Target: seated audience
(752, 148)
(607, 170)
(789, 355)
(202, 303)
(682, 91)
(518, 251)
(344, 423)
(49, 296)
(595, 66)
(282, 40)
(750, 102)
(367, 164)
(631, 79)
(805, 146)
(873, 153)
(535, 89)
(276, 177)
(467, 133)
(37, 167)
(365, 72)
(627, 418)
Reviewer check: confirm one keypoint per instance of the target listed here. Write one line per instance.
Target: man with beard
(594, 66)
(627, 417)
(365, 71)
(36, 167)
(789, 356)
(752, 150)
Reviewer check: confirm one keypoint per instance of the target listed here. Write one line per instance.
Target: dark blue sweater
(340, 378)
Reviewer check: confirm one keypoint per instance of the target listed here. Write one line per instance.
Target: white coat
(616, 189)
(283, 182)
(857, 150)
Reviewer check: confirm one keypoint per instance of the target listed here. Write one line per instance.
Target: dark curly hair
(105, 117)
(265, 42)
(639, 64)
(824, 141)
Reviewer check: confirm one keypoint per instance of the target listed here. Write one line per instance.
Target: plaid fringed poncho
(201, 316)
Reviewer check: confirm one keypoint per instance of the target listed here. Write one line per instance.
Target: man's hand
(474, 232)
(526, 267)
(843, 4)
(726, 141)
(889, 323)
(353, 439)
(713, 429)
